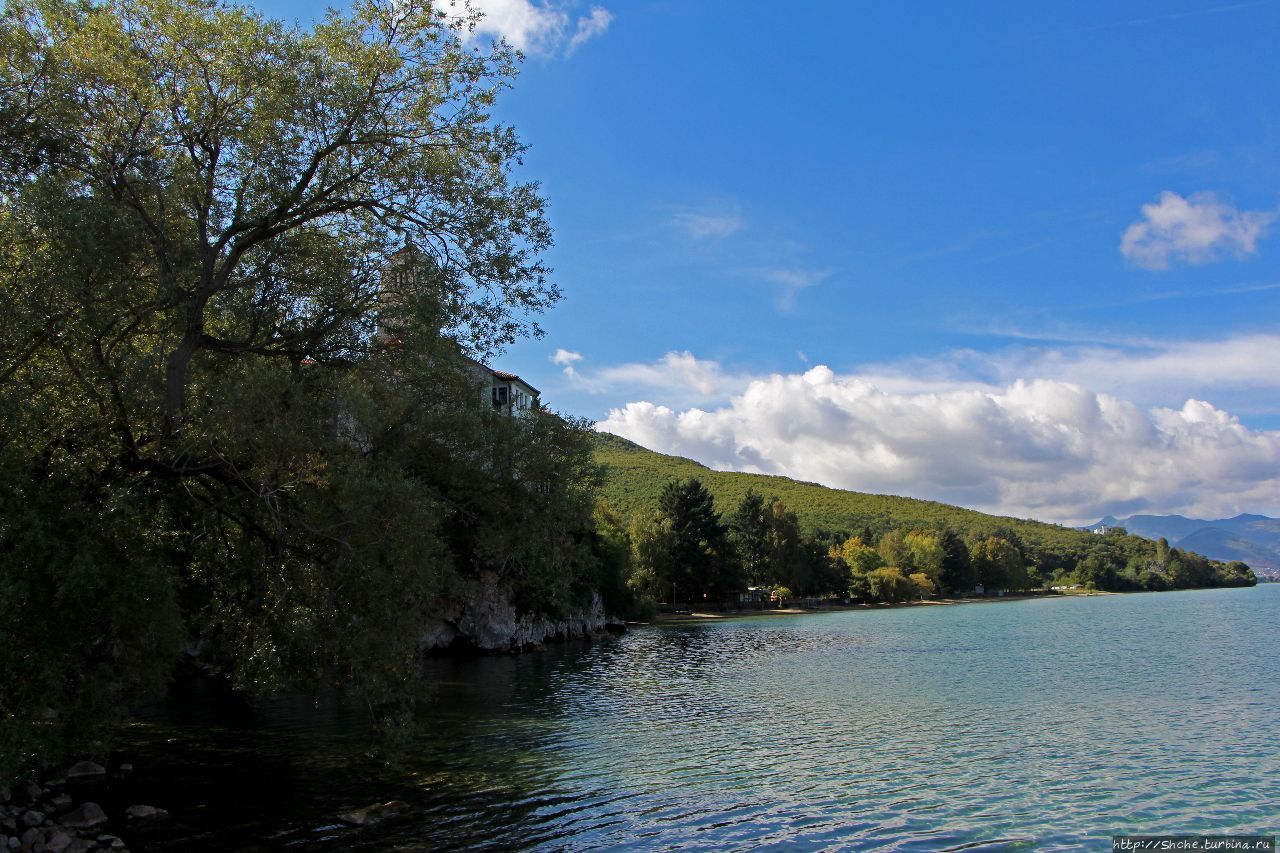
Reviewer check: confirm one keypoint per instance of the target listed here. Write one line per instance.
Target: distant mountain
(1171, 527)
(1252, 539)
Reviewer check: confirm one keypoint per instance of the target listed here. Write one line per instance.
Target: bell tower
(403, 273)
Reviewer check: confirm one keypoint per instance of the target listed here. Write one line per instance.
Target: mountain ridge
(1251, 538)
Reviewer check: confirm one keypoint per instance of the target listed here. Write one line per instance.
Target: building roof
(501, 374)
(511, 377)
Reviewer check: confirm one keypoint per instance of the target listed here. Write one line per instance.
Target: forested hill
(818, 541)
(634, 477)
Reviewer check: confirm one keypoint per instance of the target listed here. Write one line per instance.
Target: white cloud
(795, 278)
(589, 27)
(680, 378)
(533, 26)
(565, 358)
(791, 281)
(1238, 369)
(707, 226)
(1042, 449)
(675, 370)
(733, 246)
(1100, 429)
(1195, 230)
(1172, 16)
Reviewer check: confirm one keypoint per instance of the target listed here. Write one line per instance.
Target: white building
(505, 392)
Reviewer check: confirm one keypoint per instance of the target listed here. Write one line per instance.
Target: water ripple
(1045, 725)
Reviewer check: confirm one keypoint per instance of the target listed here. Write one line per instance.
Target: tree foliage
(202, 439)
(888, 583)
(698, 562)
(749, 533)
(924, 584)
(957, 566)
(862, 560)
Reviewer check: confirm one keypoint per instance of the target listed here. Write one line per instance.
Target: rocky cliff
(481, 615)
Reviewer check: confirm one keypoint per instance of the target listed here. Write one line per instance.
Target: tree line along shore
(685, 551)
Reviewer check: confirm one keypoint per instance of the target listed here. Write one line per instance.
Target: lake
(1046, 723)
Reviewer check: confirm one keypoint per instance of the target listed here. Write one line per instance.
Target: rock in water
(85, 816)
(86, 771)
(58, 842)
(376, 813)
(145, 812)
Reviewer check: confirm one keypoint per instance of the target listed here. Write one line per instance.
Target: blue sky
(1020, 257)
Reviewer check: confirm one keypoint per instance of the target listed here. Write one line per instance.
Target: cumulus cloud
(1043, 449)
(1194, 230)
(534, 26)
(565, 358)
(1061, 433)
(1239, 370)
(680, 378)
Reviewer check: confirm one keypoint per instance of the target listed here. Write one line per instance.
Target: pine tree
(701, 565)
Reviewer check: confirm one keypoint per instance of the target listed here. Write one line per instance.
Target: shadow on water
(261, 775)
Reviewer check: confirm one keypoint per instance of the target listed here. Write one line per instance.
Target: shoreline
(694, 616)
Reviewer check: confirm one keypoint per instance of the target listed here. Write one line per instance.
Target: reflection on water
(1046, 724)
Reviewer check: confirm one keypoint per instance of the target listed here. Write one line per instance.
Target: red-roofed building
(506, 392)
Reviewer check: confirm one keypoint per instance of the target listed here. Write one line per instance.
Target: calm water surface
(1042, 724)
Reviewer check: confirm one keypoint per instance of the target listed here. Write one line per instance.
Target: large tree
(788, 558)
(862, 559)
(957, 570)
(201, 435)
(749, 532)
(263, 173)
(699, 559)
(998, 564)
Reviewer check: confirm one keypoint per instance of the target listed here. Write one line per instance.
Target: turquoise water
(1040, 724)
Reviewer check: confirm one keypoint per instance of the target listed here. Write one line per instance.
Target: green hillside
(1031, 553)
(634, 476)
